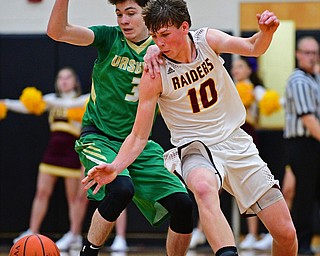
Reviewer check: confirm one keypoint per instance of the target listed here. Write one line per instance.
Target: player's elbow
(258, 54)
(258, 51)
(54, 33)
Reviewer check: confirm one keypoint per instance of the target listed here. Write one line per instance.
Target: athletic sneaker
(69, 240)
(264, 244)
(23, 234)
(197, 238)
(248, 242)
(119, 244)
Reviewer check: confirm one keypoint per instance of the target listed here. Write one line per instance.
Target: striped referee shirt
(302, 97)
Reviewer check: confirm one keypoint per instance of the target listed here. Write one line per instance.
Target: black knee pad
(180, 207)
(119, 194)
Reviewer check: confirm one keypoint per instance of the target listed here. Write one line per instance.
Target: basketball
(34, 245)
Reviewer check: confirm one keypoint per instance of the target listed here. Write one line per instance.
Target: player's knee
(288, 236)
(120, 193)
(204, 188)
(180, 207)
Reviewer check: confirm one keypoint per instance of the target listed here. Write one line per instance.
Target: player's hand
(152, 60)
(99, 175)
(268, 21)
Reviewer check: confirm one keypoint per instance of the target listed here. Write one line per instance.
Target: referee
(302, 137)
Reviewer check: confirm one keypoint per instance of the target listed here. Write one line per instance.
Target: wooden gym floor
(149, 251)
(152, 248)
(154, 251)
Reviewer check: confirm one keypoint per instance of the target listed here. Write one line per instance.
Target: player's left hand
(268, 21)
(152, 60)
(99, 175)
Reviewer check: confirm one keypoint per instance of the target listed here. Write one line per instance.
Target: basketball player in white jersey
(203, 112)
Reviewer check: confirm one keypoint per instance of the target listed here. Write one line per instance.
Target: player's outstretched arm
(59, 29)
(268, 24)
(255, 45)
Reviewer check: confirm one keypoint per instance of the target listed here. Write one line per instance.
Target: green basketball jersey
(112, 109)
(116, 75)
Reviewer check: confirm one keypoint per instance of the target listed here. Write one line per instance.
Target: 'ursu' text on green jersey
(115, 79)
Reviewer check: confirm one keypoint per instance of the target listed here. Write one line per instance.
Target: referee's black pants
(304, 159)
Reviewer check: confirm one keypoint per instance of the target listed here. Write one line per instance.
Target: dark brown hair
(141, 3)
(164, 13)
(252, 63)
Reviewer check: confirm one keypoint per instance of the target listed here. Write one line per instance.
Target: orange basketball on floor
(34, 245)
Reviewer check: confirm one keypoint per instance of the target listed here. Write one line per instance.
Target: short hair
(164, 13)
(305, 38)
(141, 3)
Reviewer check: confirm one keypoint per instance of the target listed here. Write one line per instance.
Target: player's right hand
(99, 175)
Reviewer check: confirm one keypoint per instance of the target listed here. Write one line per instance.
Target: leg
(305, 166)
(45, 185)
(288, 186)
(77, 203)
(119, 194)
(177, 244)
(121, 224)
(203, 183)
(199, 226)
(277, 220)
(77, 207)
(252, 236)
(253, 226)
(180, 206)
(119, 242)
(198, 236)
(99, 229)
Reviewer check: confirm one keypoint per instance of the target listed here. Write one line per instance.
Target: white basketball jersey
(199, 99)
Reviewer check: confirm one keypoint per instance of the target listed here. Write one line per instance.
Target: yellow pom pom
(269, 103)
(245, 91)
(3, 111)
(31, 98)
(75, 114)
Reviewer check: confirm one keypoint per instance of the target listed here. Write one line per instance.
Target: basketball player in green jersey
(109, 119)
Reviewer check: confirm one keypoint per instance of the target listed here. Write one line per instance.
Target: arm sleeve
(104, 37)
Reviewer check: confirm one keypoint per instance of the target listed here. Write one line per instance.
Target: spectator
(60, 158)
